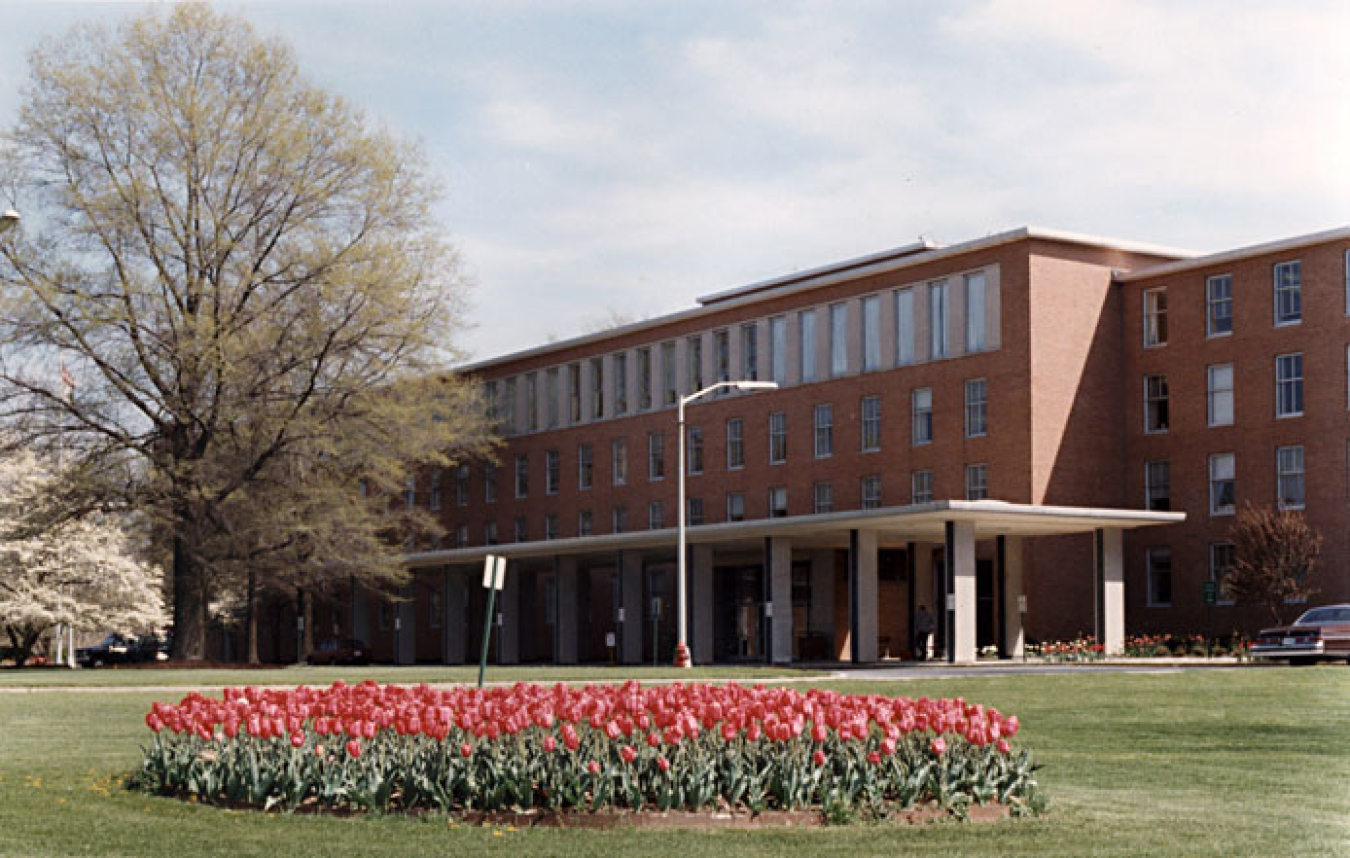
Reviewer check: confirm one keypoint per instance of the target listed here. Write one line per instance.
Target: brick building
(1070, 420)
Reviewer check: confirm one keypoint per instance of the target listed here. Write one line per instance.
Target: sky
(613, 159)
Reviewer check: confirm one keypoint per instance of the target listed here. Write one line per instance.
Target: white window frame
(1211, 303)
(871, 491)
(656, 515)
(735, 506)
(977, 481)
(1149, 398)
(618, 519)
(871, 333)
(597, 366)
(871, 423)
(1214, 572)
(552, 472)
(823, 496)
(977, 291)
(522, 480)
(777, 437)
(619, 379)
(1215, 479)
(1149, 553)
(694, 513)
(806, 330)
(1152, 486)
(921, 486)
(904, 327)
(1216, 396)
(775, 509)
(656, 456)
(1155, 318)
(838, 340)
(585, 467)
(1292, 384)
(1290, 465)
(694, 450)
(938, 342)
(778, 349)
(1288, 286)
(921, 416)
(735, 444)
(750, 351)
(585, 523)
(977, 408)
(824, 430)
(618, 461)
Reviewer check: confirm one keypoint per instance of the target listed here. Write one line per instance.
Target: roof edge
(1234, 255)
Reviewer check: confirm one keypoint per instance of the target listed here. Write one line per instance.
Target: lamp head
(8, 219)
(756, 385)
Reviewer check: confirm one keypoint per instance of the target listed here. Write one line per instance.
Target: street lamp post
(682, 658)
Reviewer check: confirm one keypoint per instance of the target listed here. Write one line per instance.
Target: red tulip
(663, 764)
(593, 767)
(297, 739)
(938, 746)
(353, 748)
(465, 750)
(1004, 747)
(550, 744)
(818, 758)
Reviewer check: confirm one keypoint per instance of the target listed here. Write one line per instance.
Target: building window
(509, 407)
(976, 408)
(777, 438)
(1288, 293)
(1222, 556)
(585, 467)
(1158, 485)
(735, 506)
(921, 487)
(461, 486)
(871, 424)
(735, 444)
(574, 393)
(1219, 305)
(656, 515)
(462, 536)
(522, 529)
(490, 533)
(618, 452)
(1289, 477)
(693, 348)
(922, 415)
(722, 356)
(1155, 317)
(552, 472)
(838, 339)
(937, 319)
(597, 388)
(435, 609)
(493, 402)
(750, 352)
(695, 450)
(644, 378)
(871, 491)
(620, 369)
(871, 333)
(695, 511)
(551, 525)
(806, 322)
(778, 506)
(522, 475)
(670, 392)
(977, 482)
(490, 482)
(656, 455)
(584, 526)
(904, 327)
(824, 431)
(975, 312)
(1159, 577)
(1289, 385)
(778, 356)
(823, 495)
(410, 492)
(434, 497)
(619, 520)
(1222, 484)
(531, 402)
(1155, 403)
(1219, 384)
(551, 398)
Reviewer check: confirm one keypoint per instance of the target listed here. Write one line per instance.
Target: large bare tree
(249, 286)
(1275, 553)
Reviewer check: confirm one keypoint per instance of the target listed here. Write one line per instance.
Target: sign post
(494, 576)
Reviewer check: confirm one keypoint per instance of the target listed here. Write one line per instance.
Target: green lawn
(1222, 763)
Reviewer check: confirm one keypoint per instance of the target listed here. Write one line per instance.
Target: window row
(1158, 573)
(1219, 394)
(1286, 301)
(1289, 481)
(896, 328)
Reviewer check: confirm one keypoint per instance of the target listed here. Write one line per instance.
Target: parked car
(343, 651)
(114, 649)
(1320, 634)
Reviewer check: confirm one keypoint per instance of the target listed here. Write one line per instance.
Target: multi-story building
(1069, 420)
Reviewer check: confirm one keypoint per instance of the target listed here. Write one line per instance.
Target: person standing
(923, 633)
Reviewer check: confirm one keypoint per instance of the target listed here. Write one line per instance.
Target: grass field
(1221, 763)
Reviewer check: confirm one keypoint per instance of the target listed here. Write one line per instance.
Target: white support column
(565, 623)
(456, 611)
(780, 590)
(1014, 635)
(963, 588)
(702, 604)
(863, 595)
(630, 643)
(1112, 589)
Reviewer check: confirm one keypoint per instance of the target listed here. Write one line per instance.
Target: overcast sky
(625, 157)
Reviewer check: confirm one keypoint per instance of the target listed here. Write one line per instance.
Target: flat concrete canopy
(924, 522)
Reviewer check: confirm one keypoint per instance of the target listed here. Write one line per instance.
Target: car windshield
(1324, 615)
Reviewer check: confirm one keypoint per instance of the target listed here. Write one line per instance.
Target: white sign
(609, 640)
(768, 609)
(1021, 604)
(494, 572)
(951, 601)
(621, 615)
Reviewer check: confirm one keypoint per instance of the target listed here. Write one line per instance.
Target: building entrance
(738, 619)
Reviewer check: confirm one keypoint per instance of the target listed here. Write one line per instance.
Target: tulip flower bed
(592, 749)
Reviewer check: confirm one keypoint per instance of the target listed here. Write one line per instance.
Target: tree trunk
(307, 639)
(189, 603)
(251, 623)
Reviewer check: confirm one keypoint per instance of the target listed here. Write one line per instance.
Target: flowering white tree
(80, 571)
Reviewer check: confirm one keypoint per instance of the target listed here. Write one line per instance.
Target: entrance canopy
(926, 522)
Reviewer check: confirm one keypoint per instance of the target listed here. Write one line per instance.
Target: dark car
(343, 651)
(1320, 634)
(114, 649)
